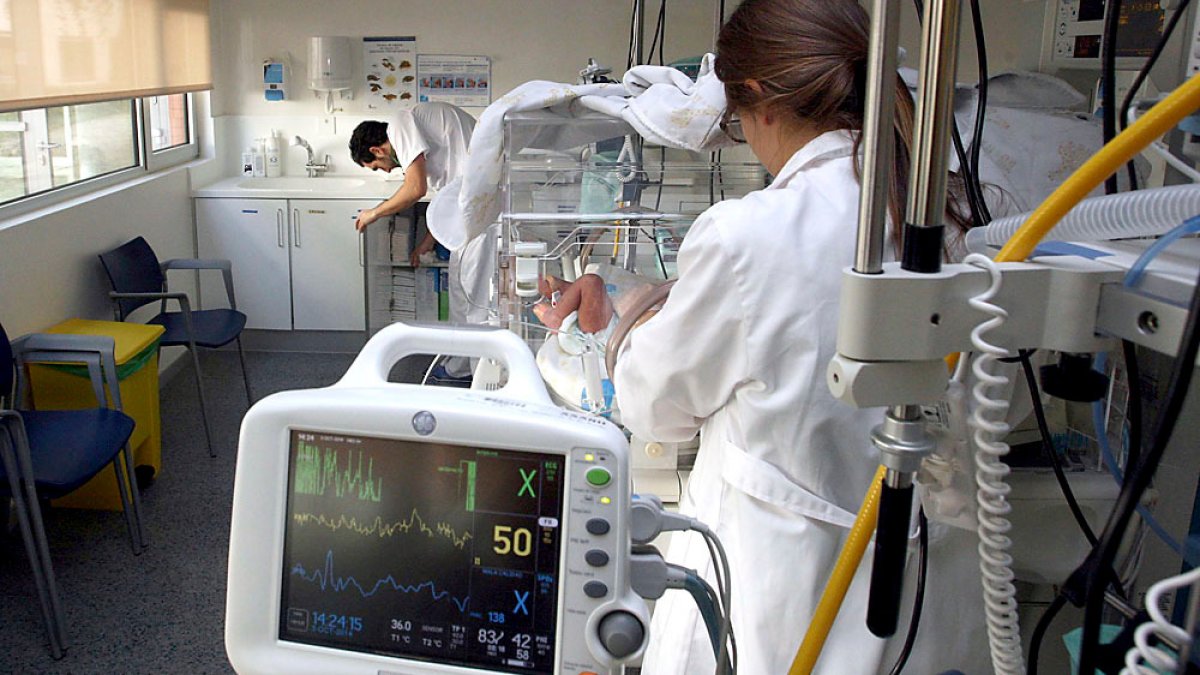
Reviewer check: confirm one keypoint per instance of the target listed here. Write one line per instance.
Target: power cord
(1108, 53)
(1048, 448)
(919, 599)
(981, 98)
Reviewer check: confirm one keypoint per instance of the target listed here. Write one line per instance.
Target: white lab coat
(443, 132)
(739, 353)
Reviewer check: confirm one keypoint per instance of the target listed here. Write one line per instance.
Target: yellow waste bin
(56, 387)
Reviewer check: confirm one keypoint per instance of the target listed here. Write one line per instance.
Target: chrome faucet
(314, 169)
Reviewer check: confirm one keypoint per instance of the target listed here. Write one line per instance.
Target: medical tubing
(891, 550)
(914, 622)
(839, 580)
(1144, 213)
(726, 592)
(987, 423)
(723, 598)
(1094, 567)
(1190, 226)
(1146, 659)
(1157, 121)
(704, 596)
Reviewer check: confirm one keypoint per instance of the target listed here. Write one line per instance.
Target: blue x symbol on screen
(520, 606)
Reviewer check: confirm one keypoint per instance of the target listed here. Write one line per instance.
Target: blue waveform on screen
(327, 580)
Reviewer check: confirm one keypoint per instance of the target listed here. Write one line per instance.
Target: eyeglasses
(731, 124)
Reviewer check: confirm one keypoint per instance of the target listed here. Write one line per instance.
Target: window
(48, 153)
(168, 121)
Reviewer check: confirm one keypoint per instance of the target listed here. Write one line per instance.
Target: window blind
(66, 52)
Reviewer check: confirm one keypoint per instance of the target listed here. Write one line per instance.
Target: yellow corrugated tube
(839, 580)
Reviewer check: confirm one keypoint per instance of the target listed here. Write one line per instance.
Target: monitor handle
(373, 364)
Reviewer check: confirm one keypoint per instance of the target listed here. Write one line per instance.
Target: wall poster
(465, 81)
(390, 65)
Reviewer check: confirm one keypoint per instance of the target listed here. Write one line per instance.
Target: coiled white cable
(1144, 658)
(987, 423)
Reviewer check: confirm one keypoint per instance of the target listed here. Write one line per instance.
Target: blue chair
(138, 279)
(45, 454)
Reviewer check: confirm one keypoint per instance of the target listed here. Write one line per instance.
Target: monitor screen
(427, 551)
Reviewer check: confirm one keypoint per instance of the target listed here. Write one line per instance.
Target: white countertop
(299, 187)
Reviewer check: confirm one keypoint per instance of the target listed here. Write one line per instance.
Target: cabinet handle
(279, 228)
(362, 249)
(296, 228)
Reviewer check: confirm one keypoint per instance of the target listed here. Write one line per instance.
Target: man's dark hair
(369, 134)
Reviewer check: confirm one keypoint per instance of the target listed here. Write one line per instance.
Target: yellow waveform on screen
(414, 524)
(319, 468)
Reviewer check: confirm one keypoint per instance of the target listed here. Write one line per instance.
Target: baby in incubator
(583, 315)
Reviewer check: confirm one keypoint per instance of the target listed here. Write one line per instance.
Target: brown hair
(810, 58)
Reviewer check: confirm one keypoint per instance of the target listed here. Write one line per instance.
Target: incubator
(586, 195)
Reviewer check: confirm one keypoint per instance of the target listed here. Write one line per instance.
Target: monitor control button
(595, 589)
(596, 558)
(597, 526)
(598, 476)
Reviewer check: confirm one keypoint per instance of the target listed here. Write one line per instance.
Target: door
(253, 235)
(327, 264)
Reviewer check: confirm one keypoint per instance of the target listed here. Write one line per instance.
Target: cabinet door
(327, 264)
(252, 233)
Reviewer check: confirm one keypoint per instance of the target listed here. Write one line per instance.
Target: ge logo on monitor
(424, 423)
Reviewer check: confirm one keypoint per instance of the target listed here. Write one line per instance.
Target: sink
(297, 184)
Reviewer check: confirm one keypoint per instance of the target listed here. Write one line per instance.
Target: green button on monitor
(598, 476)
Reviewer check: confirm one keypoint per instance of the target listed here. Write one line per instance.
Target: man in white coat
(429, 144)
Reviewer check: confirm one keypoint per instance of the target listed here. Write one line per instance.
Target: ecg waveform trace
(319, 468)
(326, 579)
(414, 524)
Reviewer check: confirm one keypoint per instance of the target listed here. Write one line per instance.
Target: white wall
(48, 265)
(526, 39)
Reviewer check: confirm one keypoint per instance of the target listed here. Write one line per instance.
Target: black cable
(1039, 632)
(1141, 77)
(632, 25)
(1099, 562)
(919, 598)
(965, 172)
(981, 97)
(662, 27)
(659, 31)
(1108, 52)
(1133, 410)
(1051, 453)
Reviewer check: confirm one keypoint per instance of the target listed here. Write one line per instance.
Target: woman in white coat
(739, 352)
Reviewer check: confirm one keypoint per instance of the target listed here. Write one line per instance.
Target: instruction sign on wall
(451, 78)
(390, 66)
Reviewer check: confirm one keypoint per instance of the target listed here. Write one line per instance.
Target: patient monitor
(391, 528)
